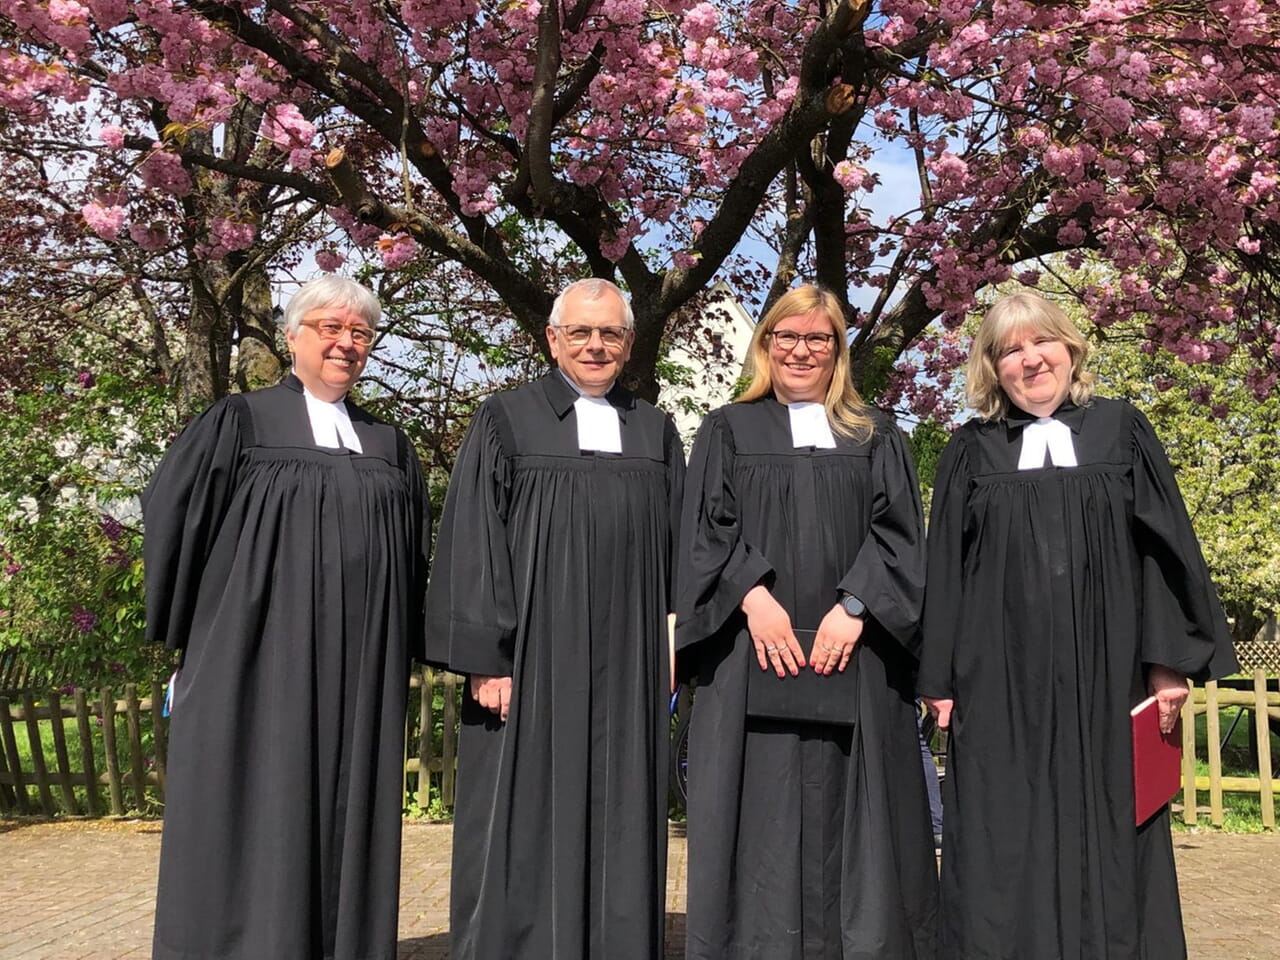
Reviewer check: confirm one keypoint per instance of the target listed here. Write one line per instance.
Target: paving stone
(86, 889)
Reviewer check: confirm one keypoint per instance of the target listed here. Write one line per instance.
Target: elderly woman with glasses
(802, 580)
(286, 540)
(1065, 586)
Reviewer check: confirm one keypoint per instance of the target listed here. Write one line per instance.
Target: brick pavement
(85, 891)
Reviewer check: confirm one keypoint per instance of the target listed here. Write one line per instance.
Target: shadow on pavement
(435, 947)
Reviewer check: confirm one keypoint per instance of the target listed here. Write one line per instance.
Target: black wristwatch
(852, 605)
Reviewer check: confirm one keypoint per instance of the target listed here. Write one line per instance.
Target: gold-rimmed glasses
(361, 335)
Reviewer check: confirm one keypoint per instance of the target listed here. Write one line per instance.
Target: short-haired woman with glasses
(802, 579)
(286, 549)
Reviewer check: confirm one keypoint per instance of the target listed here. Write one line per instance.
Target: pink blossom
(700, 22)
(396, 250)
(284, 125)
(329, 260)
(850, 175)
(229, 234)
(105, 221)
(149, 236)
(112, 136)
(164, 171)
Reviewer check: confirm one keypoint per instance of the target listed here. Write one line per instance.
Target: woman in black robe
(1065, 585)
(806, 839)
(285, 546)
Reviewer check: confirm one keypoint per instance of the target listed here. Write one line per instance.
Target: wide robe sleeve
(420, 538)
(471, 604)
(716, 565)
(945, 570)
(183, 507)
(1182, 622)
(673, 456)
(888, 572)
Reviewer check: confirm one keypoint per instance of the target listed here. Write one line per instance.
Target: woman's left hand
(1170, 690)
(837, 636)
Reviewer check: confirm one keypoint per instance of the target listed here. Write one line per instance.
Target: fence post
(1213, 742)
(1263, 730)
(158, 737)
(109, 748)
(39, 769)
(449, 755)
(60, 750)
(6, 791)
(86, 753)
(1189, 757)
(10, 747)
(133, 715)
(426, 727)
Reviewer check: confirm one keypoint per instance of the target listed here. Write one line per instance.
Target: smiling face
(1034, 371)
(328, 368)
(802, 373)
(593, 365)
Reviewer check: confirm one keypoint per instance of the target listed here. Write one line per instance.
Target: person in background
(1065, 586)
(932, 782)
(808, 832)
(550, 591)
(286, 540)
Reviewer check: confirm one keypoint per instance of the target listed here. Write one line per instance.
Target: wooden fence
(1250, 697)
(129, 734)
(114, 762)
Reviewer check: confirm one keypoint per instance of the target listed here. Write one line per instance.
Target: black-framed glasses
(361, 335)
(579, 334)
(789, 340)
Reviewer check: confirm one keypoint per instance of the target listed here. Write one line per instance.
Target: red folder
(1157, 760)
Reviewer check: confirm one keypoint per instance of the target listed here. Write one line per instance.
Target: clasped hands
(775, 641)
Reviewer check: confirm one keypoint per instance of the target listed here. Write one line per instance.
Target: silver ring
(772, 649)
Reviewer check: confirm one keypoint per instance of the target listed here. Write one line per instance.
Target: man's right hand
(492, 693)
(941, 710)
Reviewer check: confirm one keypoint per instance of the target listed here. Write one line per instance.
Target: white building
(702, 370)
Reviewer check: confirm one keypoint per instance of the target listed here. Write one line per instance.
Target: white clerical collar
(810, 426)
(1046, 435)
(331, 423)
(598, 425)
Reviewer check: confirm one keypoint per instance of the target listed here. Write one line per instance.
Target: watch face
(852, 605)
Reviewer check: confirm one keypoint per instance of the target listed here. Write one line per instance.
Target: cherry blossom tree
(665, 143)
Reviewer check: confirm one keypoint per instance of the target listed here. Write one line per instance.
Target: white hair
(331, 290)
(593, 288)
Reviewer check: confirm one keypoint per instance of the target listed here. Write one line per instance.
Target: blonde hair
(846, 411)
(1033, 314)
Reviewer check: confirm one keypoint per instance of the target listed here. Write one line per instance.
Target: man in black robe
(286, 540)
(550, 591)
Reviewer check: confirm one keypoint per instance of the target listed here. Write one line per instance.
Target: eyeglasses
(361, 335)
(789, 339)
(579, 334)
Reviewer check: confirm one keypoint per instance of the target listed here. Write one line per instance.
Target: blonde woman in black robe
(807, 838)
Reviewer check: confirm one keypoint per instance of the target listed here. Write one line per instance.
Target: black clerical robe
(1050, 590)
(805, 841)
(292, 578)
(552, 566)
